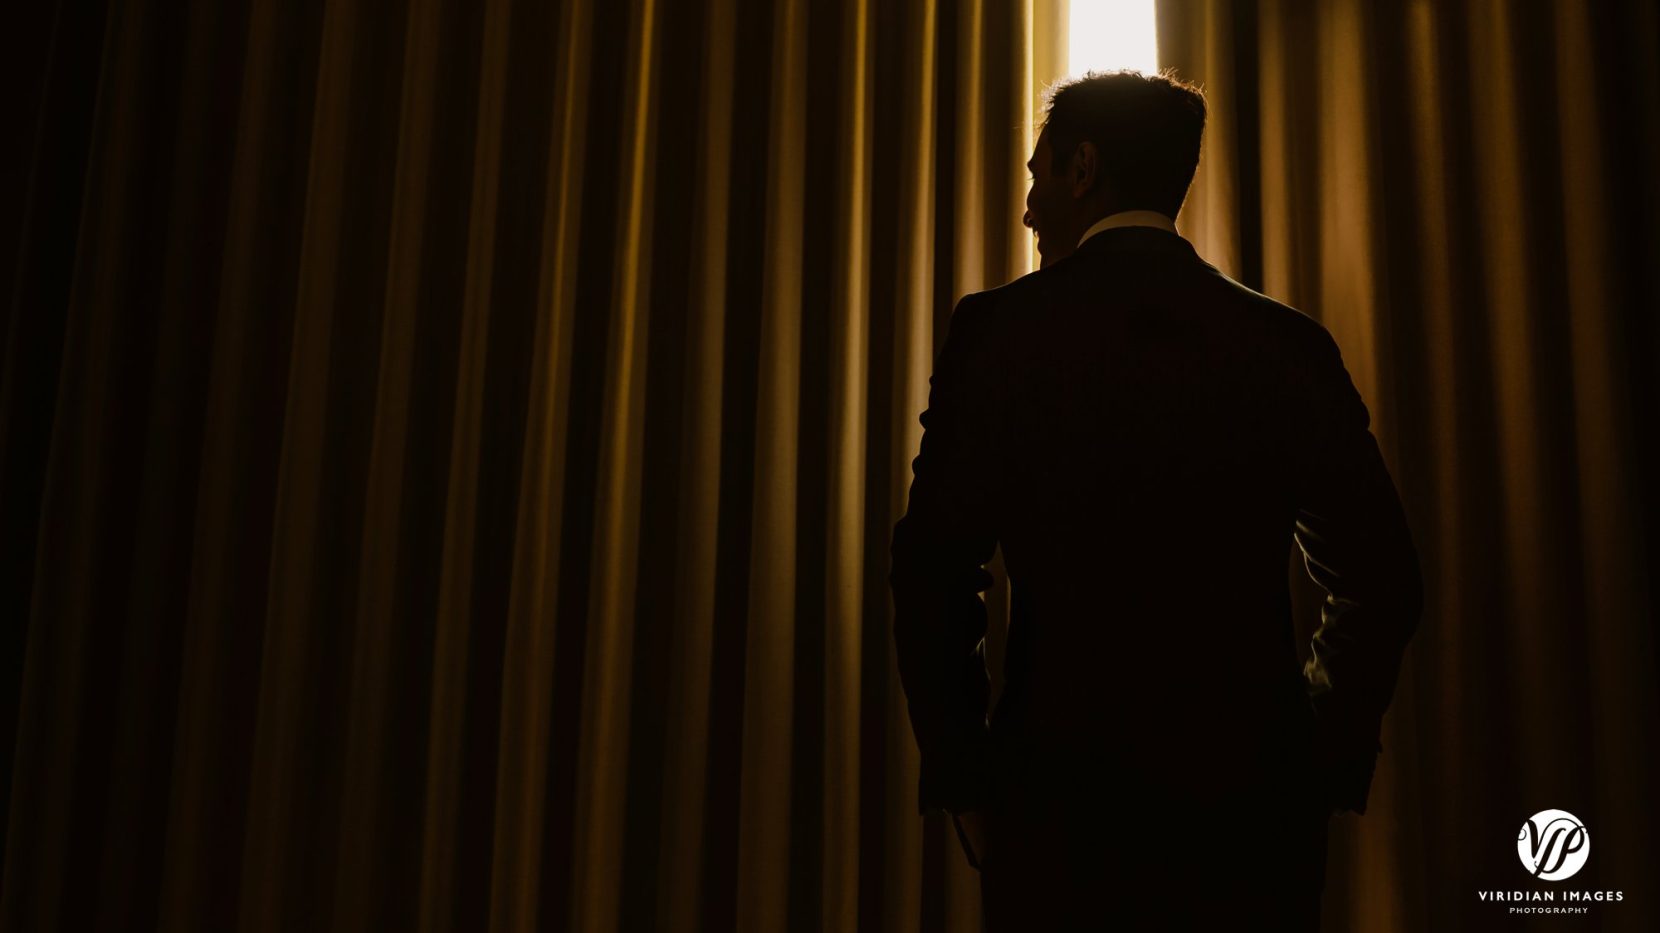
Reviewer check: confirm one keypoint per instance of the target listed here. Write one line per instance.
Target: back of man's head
(1146, 130)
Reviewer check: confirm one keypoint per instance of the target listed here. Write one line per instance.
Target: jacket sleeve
(940, 547)
(1356, 545)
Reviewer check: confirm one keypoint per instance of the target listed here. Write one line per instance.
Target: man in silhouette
(1144, 437)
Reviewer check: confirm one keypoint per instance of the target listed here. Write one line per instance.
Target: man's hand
(972, 824)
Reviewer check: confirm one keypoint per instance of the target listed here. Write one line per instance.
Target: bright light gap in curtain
(1108, 35)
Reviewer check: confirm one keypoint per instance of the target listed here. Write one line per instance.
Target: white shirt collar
(1130, 219)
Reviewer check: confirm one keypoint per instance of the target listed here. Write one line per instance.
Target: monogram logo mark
(1553, 845)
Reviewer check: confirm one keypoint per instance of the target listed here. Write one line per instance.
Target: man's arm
(940, 547)
(1357, 547)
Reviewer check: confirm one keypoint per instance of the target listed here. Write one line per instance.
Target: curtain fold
(450, 451)
(1463, 194)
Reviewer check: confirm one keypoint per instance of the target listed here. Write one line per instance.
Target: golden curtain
(1464, 193)
(450, 451)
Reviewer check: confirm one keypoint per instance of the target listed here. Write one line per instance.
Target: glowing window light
(1108, 35)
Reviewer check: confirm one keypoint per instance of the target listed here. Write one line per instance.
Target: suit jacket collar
(1130, 218)
(1136, 239)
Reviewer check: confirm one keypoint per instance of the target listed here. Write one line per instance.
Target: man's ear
(1084, 164)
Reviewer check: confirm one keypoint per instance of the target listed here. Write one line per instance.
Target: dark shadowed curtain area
(1465, 194)
(449, 451)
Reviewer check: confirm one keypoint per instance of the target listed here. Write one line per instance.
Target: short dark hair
(1146, 129)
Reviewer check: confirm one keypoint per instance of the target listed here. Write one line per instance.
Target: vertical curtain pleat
(1202, 31)
(524, 767)
(908, 310)
(534, 846)
(968, 128)
(280, 814)
(202, 849)
(847, 419)
(602, 813)
(1506, 211)
(687, 726)
(58, 657)
(764, 823)
(1617, 659)
(454, 803)
(370, 746)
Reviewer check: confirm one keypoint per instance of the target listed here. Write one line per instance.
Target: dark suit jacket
(1145, 437)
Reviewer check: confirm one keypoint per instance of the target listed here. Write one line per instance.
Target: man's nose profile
(1144, 438)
